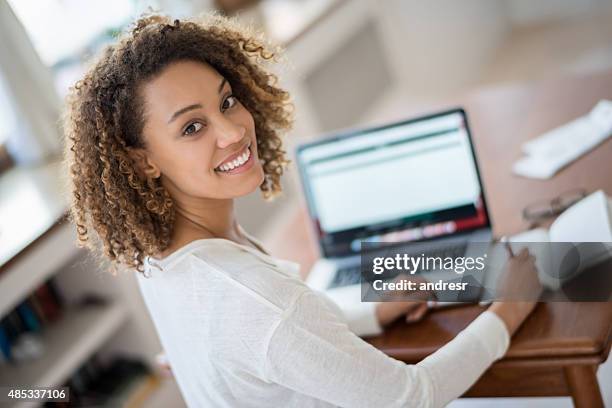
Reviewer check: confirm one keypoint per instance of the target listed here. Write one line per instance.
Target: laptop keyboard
(350, 275)
(346, 276)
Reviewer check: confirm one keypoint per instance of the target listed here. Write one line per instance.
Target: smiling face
(139, 171)
(199, 138)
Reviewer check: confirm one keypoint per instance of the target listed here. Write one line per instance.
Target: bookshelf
(68, 343)
(37, 244)
(42, 262)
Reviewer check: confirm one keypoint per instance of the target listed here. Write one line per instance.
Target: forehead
(182, 82)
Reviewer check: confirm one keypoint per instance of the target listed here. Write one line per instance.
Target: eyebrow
(195, 105)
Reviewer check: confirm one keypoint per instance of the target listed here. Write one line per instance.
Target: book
(582, 234)
(14, 325)
(37, 307)
(55, 293)
(48, 302)
(5, 344)
(28, 316)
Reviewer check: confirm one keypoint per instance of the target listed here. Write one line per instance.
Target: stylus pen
(504, 239)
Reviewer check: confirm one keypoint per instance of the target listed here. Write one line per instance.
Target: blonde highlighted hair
(118, 213)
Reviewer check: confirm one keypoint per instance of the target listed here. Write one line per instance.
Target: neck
(198, 217)
(216, 217)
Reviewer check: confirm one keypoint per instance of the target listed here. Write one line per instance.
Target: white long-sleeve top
(240, 329)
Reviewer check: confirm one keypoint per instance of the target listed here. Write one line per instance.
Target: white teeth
(239, 161)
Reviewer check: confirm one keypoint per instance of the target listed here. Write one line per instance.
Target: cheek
(188, 161)
(246, 119)
(197, 158)
(249, 122)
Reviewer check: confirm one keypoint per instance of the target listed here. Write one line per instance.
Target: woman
(165, 130)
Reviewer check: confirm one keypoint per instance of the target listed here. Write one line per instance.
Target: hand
(519, 281)
(413, 310)
(388, 312)
(163, 364)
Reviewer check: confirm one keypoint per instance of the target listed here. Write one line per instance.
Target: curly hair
(131, 215)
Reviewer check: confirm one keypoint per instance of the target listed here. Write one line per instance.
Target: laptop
(415, 183)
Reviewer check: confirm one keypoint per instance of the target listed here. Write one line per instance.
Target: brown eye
(229, 102)
(193, 128)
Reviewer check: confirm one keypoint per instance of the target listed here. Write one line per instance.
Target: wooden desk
(558, 349)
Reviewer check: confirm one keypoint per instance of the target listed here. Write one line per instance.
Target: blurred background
(348, 63)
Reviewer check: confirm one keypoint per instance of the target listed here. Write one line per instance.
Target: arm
(519, 290)
(360, 317)
(313, 352)
(369, 318)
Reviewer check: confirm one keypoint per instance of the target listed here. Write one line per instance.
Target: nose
(228, 132)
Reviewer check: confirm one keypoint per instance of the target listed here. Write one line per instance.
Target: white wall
(525, 12)
(28, 83)
(441, 46)
(432, 49)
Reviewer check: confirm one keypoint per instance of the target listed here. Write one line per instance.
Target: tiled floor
(528, 54)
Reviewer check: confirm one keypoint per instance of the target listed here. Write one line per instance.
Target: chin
(247, 185)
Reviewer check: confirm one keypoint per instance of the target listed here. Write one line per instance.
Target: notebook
(585, 227)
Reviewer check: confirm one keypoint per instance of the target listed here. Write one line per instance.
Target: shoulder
(263, 279)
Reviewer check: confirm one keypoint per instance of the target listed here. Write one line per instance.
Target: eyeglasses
(547, 209)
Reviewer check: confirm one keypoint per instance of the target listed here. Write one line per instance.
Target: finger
(429, 294)
(419, 279)
(509, 249)
(419, 296)
(524, 253)
(417, 314)
(415, 294)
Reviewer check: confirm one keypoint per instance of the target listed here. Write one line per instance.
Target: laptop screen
(406, 181)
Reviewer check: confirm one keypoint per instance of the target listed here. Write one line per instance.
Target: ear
(144, 165)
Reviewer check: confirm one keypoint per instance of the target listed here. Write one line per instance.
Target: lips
(235, 160)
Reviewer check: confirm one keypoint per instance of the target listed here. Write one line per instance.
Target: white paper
(553, 150)
(587, 221)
